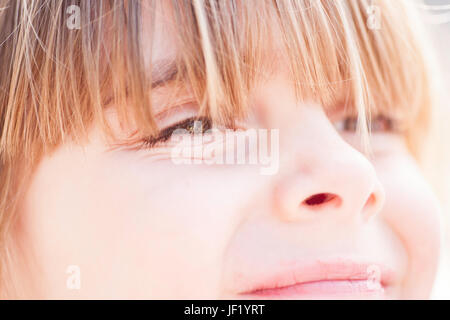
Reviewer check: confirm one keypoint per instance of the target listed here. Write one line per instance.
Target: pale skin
(141, 228)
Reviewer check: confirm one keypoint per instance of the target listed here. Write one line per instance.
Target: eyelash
(187, 124)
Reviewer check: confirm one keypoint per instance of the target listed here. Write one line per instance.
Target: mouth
(324, 280)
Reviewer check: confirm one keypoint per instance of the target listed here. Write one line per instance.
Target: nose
(341, 190)
(322, 175)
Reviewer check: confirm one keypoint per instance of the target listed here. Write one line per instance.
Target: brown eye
(382, 123)
(346, 124)
(194, 125)
(378, 123)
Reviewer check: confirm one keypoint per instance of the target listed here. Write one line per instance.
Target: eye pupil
(198, 126)
(350, 124)
(190, 128)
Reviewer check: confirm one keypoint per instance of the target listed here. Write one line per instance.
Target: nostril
(319, 199)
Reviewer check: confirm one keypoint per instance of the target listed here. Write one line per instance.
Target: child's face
(139, 226)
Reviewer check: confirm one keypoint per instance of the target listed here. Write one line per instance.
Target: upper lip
(320, 270)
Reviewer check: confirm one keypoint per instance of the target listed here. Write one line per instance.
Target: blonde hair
(56, 81)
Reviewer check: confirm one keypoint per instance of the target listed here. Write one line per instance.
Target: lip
(338, 279)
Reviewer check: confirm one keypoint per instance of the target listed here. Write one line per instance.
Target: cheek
(413, 213)
(172, 223)
(130, 224)
(179, 216)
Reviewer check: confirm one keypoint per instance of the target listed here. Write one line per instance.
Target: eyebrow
(165, 70)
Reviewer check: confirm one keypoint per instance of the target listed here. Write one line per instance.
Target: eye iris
(198, 126)
(350, 124)
(381, 123)
(191, 128)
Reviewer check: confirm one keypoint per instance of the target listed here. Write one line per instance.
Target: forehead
(160, 50)
(160, 43)
(162, 47)
(158, 33)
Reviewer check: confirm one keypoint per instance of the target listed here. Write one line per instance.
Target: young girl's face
(327, 222)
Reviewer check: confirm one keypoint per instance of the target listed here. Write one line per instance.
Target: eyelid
(180, 109)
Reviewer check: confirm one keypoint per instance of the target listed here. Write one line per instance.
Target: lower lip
(326, 289)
